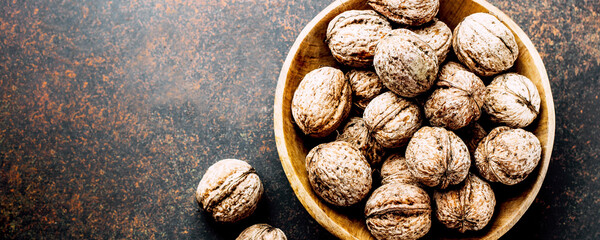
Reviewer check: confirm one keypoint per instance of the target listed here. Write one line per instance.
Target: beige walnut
(398, 211)
(449, 69)
(353, 35)
(507, 155)
(483, 44)
(468, 207)
(438, 35)
(338, 173)
(405, 64)
(229, 190)
(407, 12)
(262, 232)
(356, 132)
(322, 101)
(437, 157)
(365, 85)
(395, 170)
(512, 99)
(392, 119)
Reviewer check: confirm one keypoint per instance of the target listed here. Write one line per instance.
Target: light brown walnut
(405, 64)
(338, 173)
(449, 69)
(398, 211)
(262, 232)
(353, 35)
(229, 190)
(512, 99)
(322, 101)
(395, 170)
(438, 35)
(437, 157)
(392, 119)
(365, 85)
(508, 155)
(407, 12)
(483, 44)
(357, 133)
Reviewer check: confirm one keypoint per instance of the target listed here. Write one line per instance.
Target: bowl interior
(310, 52)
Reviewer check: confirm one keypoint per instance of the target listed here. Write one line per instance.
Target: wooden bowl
(310, 52)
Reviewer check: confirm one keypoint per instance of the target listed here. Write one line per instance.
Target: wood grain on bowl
(310, 52)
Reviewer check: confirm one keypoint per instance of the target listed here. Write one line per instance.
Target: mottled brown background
(110, 111)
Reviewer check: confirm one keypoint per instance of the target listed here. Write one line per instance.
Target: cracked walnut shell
(438, 35)
(338, 173)
(365, 85)
(322, 101)
(468, 207)
(358, 134)
(392, 119)
(398, 211)
(413, 13)
(512, 99)
(395, 170)
(507, 155)
(483, 44)
(437, 157)
(353, 35)
(229, 190)
(262, 231)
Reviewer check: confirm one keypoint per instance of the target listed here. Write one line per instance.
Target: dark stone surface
(110, 112)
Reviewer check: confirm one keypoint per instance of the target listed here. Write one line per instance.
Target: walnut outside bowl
(310, 52)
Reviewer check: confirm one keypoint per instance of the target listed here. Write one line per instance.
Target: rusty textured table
(110, 112)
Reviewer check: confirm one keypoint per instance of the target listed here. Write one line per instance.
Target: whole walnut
(507, 155)
(322, 101)
(512, 99)
(484, 44)
(449, 69)
(353, 35)
(392, 119)
(412, 13)
(469, 206)
(438, 35)
(262, 231)
(456, 102)
(229, 190)
(405, 64)
(365, 85)
(437, 157)
(472, 134)
(338, 173)
(398, 211)
(395, 170)
(358, 134)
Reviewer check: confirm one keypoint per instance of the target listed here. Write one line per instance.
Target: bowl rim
(304, 197)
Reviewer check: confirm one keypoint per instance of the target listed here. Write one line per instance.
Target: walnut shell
(472, 135)
(398, 211)
(365, 85)
(353, 35)
(456, 102)
(358, 134)
(512, 99)
(392, 119)
(439, 37)
(437, 157)
(322, 101)
(229, 190)
(449, 69)
(484, 44)
(507, 155)
(470, 206)
(412, 13)
(262, 231)
(405, 64)
(395, 170)
(338, 173)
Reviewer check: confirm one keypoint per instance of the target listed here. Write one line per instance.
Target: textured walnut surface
(392, 119)
(405, 64)
(338, 173)
(398, 211)
(357, 133)
(262, 231)
(484, 44)
(353, 35)
(507, 155)
(365, 85)
(456, 102)
(229, 190)
(449, 69)
(322, 101)
(467, 207)
(438, 35)
(512, 99)
(408, 12)
(395, 170)
(437, 157)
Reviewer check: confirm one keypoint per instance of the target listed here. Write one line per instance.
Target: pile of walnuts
(405, 106)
